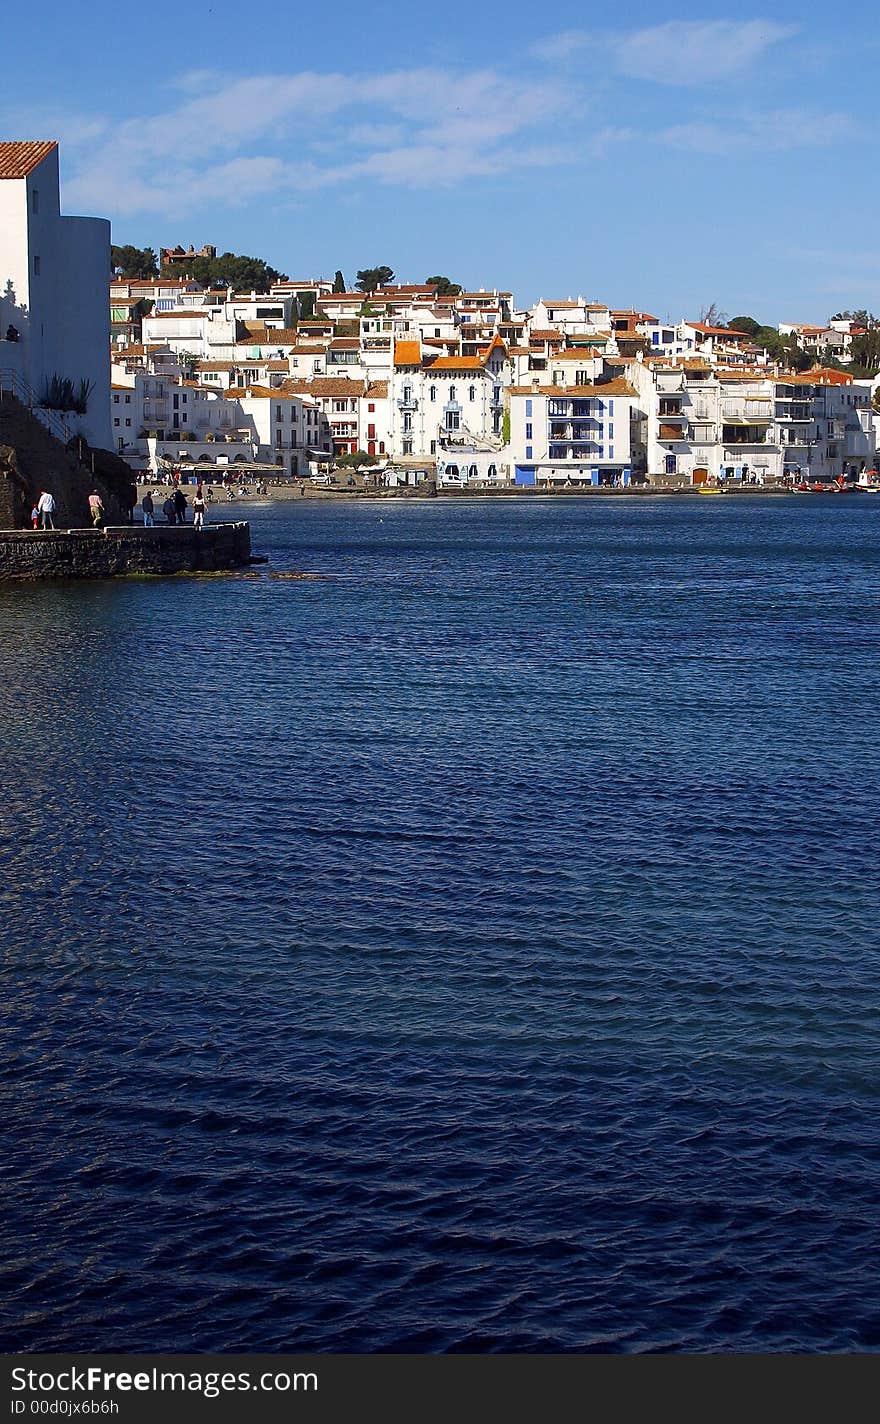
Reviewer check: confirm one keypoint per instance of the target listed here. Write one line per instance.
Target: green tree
(306, 305)
(372, 277)
(862, 317)
(746, 324)
(243, 274)
(338, 282)
(354, 462)
(866, 351)
(443, 286)
(133, 262)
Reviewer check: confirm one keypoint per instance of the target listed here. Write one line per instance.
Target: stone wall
(31, 460)
(128, 549)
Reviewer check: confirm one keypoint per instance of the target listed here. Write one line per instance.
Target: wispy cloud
(420, 127)
(772, 131)
(678, 52)
(228, 140)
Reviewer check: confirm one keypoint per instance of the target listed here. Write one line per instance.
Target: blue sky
(664, 159)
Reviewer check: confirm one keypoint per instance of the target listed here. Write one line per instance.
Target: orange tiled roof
(820, 376)
(718, 330)
(378, 390)
(407, 353)
(620, 386)
(456, 363)
(17, 160)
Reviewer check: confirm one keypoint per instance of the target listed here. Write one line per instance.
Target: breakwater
(33, 554)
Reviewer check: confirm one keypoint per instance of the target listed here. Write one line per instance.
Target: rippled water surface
(476, 949)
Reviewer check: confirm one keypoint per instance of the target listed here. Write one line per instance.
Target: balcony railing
(407, 403)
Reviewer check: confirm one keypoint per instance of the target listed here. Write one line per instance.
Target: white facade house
(573, 435)
(53, 286)
(713, 425)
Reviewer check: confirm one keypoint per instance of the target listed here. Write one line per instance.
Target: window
(279, 436)
(407, 447)
(453, 420)
(528, 452)
(492, 472)
(115, 400)
(472, 392)
(36, 266)
(128, 400)
(407, 422)
(35, 200)
(528, 430)
(433, 447)
(433, 393)
(528, 407)
(371, 408)
(116, 420)
(452, 393)
(279, 414)
(128, 422)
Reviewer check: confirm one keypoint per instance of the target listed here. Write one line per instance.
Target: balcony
(408, 403)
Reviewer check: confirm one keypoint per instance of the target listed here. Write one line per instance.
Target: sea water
(475, 948)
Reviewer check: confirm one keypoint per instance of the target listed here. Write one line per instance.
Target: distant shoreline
(288, 493)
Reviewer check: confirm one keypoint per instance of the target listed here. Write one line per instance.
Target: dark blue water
(474, 950)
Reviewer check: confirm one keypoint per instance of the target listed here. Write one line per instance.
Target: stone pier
(123, 549)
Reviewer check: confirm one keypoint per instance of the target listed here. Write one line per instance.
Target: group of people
(42, 514)
(175, 507)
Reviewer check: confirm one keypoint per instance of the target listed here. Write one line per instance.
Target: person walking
(35, 517)
(46, 508)
(200, 506)
(148, 507)
(180, 505)
(168, 509)
(96, 509)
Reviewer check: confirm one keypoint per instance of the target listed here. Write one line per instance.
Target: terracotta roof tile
(618, 387)
(407, 353)
(456, 363)
(17, 160)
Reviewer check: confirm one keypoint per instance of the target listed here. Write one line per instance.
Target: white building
(712, 424)
(53, 287)
(573, 435)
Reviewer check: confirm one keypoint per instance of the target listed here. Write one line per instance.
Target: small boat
(710, 489)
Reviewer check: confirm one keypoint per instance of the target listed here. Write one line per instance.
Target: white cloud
(678, 52)
(424, 127)
(697, 51)
(772, 131)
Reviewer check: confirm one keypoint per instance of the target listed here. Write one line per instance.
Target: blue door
(523, 475)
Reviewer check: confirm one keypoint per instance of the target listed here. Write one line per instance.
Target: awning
(748, 420)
